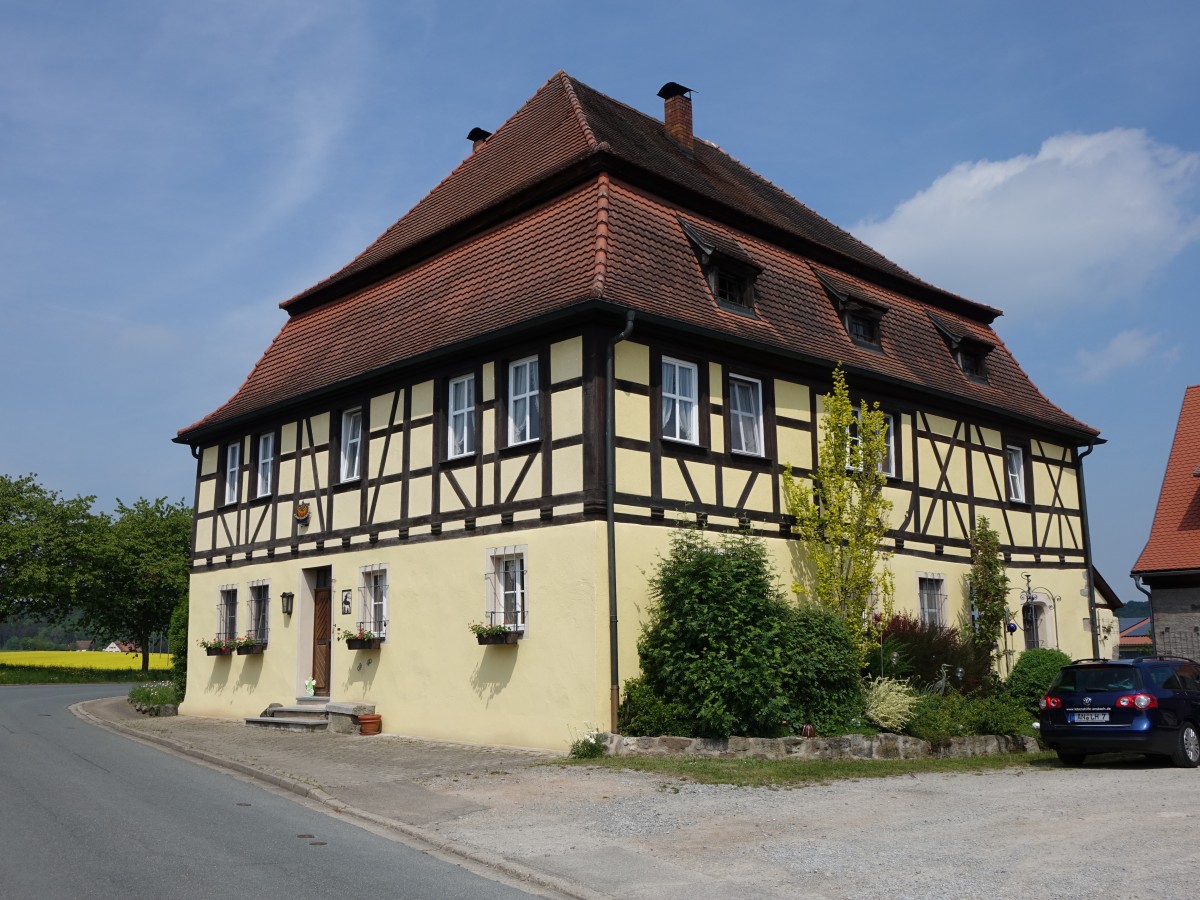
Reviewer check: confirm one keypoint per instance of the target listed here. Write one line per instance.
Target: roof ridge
(585, 126)
(602, 207)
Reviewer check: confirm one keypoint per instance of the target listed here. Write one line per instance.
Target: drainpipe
(1087, 554)
(1141, 586)
(610, 491)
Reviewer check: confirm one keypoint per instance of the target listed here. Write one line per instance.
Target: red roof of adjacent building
(1174, 543)
(580, 199)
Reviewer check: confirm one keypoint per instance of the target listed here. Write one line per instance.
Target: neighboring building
(1170, 562)
(423, 445)
(121, 647)
(1136, 638)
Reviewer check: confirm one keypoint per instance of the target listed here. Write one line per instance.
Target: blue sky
(170, 172)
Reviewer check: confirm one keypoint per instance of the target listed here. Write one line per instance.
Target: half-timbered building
(597, 327)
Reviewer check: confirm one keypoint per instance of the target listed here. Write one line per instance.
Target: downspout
(1087, 554)
(610, 492)
(1137, 583)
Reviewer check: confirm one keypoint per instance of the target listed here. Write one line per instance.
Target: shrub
(155, 693)
(998, 715)
(821, 676)
(723, 652)
(928, 647)
(645, 713)
(177, 640)
(1031, 676)
(938, 717)
(889, 703)
(587, 746)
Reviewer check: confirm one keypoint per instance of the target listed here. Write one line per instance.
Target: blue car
(1149, 705)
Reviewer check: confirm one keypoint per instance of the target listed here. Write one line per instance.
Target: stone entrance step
(313, 714)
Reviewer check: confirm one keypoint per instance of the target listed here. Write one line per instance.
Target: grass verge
(799, 772)
(62, 675)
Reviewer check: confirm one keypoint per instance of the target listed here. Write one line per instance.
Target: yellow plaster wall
(632, 362)
(566, 413)
(431, 678)
(208, 460)
(633, 472)
(346, 510)
(422, 399)
(567, 474)
(381, 410)
(420, 452)
(566, 360)
(793, 400)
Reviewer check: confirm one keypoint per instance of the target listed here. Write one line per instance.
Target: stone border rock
(155, 709)
(849, 746)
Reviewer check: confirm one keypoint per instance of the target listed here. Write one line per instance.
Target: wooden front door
(322, 639)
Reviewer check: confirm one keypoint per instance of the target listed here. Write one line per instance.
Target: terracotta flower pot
(369, 723)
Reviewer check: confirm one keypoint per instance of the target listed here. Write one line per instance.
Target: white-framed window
(931, 593)
(507, 580)
(259, 610)
(227, 612)
(351, 444)
(1014, 467)
(679, 401)
(524, 408)
(745, 415)
(266, 464)
(233, 471)
(887, 463)
(373, 600)
(461, 420)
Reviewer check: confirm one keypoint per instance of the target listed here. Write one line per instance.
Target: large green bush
(1031, 676)
(645, 713)
(177, 641)
(724, 652)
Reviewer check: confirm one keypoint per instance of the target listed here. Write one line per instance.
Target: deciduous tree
(841, 517)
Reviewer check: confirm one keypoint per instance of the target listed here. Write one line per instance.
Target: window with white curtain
(679, 401)
(351, 444)
(523, 402)
(461, 420)
(745, 415)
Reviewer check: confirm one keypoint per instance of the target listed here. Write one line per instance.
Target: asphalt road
(87, 814)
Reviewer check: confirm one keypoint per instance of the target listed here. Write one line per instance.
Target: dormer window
(729, 270)
(861, 317)
(969, 352)
(863, 329)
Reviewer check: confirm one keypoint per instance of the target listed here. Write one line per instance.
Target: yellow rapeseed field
(87, 659)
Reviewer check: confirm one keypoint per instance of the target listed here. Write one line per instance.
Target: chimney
(677, 113)
(478, 137)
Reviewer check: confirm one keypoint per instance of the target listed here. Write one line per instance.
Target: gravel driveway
(1110, 829)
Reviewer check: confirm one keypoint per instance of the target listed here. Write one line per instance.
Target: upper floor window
(679, 401)
(887, 460)
(745, 415)
(266, 464)
(233, 471)
(731, 287)
(462, 416)
(506, 576)
(930, 589)
(523, 404)
(373, 594)
(260, 605)
(887, 464)
(1014, 467)
(351, 444)
(863, 329)
(861, 315)
(970, 351)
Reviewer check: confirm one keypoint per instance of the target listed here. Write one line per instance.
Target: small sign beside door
(346, 594)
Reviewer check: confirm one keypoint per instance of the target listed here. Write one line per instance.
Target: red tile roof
(508, 237)
(1174, 543)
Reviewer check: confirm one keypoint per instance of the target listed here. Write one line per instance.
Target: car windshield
(1098, 678)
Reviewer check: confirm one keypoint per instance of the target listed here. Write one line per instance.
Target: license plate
(1091, 716)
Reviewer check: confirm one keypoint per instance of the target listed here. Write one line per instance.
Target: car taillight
(1050, 703)
(1141, 701)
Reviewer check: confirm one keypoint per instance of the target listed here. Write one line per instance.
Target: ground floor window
(931, 590)
(227, 613)
(373, 600)
(259, 609)
(507, 582)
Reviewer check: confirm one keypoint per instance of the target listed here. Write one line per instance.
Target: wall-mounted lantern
(287, 597)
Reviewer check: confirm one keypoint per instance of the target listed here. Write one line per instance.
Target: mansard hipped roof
(1174, 544)
(581, 200)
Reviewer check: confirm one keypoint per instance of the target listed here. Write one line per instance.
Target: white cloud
(1125, 351)
(1089, 219)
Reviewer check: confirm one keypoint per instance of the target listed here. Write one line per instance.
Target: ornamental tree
(841, 518)
(988, 585)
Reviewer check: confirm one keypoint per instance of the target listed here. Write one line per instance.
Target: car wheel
(1070, 759)
(1187, 748)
